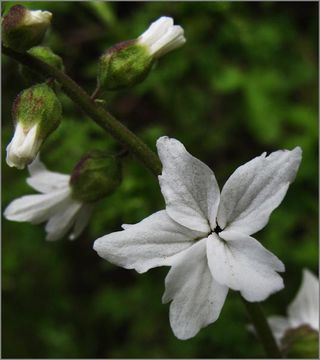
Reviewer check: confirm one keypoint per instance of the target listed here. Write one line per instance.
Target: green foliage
(245, 82)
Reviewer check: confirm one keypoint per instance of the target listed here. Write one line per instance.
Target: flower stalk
(140, 150)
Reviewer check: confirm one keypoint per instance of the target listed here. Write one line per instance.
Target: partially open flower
(37, 113)
(23, 28)
(298, 333)
(129, 62)
(55, 205)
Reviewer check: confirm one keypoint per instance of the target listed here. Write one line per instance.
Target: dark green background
(245, 82)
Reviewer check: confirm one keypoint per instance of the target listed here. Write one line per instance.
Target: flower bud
(37, 113)
(95, 176)
(301, 342)
(23, 28)
(129, 62)
(46, 55)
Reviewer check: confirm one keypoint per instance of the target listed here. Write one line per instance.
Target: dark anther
(217, 229)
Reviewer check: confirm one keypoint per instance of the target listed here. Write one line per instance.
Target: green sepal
(45, 54)
(38, 105)
(301, 343)
(124, 65)
(95, 176)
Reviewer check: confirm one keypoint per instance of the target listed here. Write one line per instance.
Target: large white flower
(162, 37)
(205, 236)
(54, 205)
(303, 310)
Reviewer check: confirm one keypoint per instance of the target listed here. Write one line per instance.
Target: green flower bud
(36, 113)
(95, 176)
(129, 62)
(23, 28)
(301, 342)
(46, 55)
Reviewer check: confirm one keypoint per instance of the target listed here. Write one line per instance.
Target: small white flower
(162, 36)
(23, 147)
(205, 236)
(54, 205)
(303, 310)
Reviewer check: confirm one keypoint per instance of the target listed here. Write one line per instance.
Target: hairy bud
(95, 176)
(23, 28)
(129, 62)
(36, 113)
(46, 55)
(301, 342)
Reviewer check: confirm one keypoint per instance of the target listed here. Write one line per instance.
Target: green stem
(131, 142)
(262, 329)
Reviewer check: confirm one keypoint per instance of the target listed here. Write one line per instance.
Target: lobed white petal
(255, 189)
(188, 186)
(63, 219)
(35, 208)
(304, 309)
(279, 325)
(147, 244)
(81, 221)
(45, 181)
(242, 263)
(197, 297)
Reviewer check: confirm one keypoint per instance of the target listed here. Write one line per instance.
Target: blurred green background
(245, 82)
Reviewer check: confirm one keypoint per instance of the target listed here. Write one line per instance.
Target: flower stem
(138, 148)
(262, 329)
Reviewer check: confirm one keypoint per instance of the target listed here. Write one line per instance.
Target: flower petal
(146, 244)
(35, 208)
(255, 189)
(279, 326)
(189, 187)
(197, 297)
(43, 180)
(81, 221)
(63, 219)
(304, 309)
(243, 264)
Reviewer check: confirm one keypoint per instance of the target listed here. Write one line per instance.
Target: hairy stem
(138, 148)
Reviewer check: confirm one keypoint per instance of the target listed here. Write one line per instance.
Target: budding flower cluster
(36, 113)
(129, 62)
(23, 28)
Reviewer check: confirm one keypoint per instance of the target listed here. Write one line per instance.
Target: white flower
(205, 236)
(54, 205)
(303, 310)
(162, 36)
(23, 147)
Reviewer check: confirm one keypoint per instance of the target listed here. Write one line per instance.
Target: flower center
(217, 229)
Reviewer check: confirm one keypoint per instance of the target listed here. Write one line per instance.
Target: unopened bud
(301, 342)
(23, 28)
(129, 62)
(95, 176)
(36, 113)
(46, 55)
